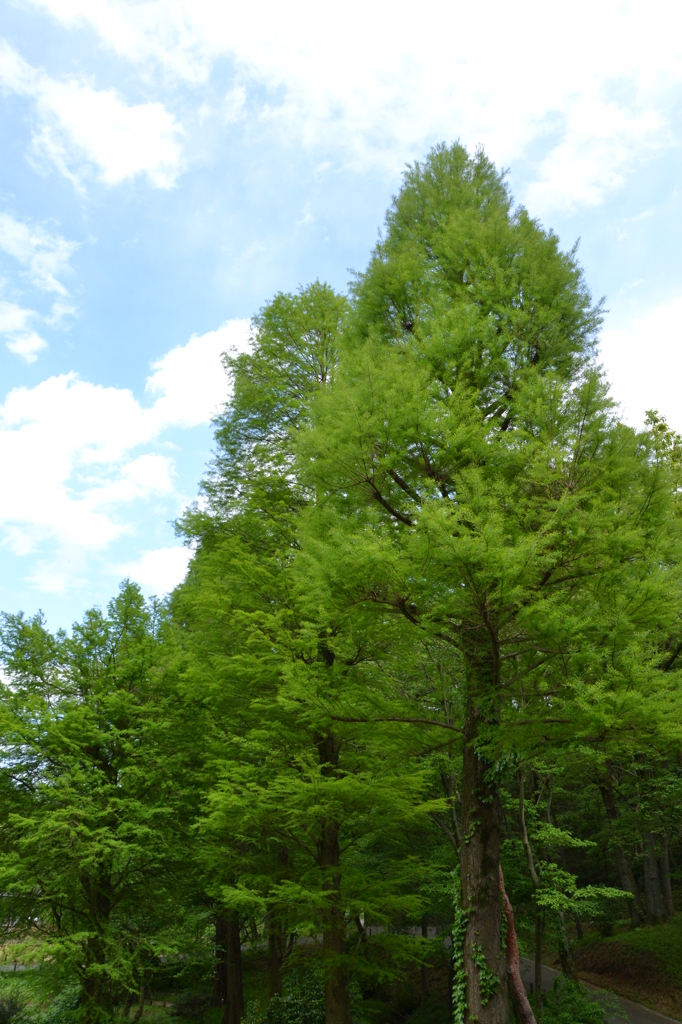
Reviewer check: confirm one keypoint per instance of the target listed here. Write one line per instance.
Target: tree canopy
(421, 678)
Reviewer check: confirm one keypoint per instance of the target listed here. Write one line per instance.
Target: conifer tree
(292, 782)
(92, 830)
(474, 483)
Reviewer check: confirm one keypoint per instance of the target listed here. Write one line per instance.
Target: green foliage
(663, 941)
(21, 1003)
(191, 1006)
(431, 1010)
(10, 1008)
(429, 563)
(559, 892)
(63, 1009)
(569, 1003)
(459, 982)
(488, 981)
(91, 830)
(301, 1002)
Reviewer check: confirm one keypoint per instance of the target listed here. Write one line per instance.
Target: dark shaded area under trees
(431, 628)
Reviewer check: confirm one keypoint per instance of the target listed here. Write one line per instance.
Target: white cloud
(148, 474)
(70, 457)
(83, 124)
(189, 388)
(643, 361)
(15, 326)
(158, 571)
(27, 346)
(45, 255)
(379, 91)
(14, 319)
(600, 145)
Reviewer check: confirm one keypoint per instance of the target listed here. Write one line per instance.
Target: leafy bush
(10, 1007)
(191, 1006)
(20, 1004)
(301, 1002)
(432, 1010)
(63, 1008)
(662, 942)
(569, 1003)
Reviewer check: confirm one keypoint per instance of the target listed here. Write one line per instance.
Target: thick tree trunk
(96, 999)
(336, 976)
(668, 907)
(96, 996)
(628, 883)
(220, 980)
(652, 881)
(484, 963)
(234, 1003)
(336, 994)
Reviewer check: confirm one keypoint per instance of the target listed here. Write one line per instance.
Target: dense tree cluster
(432, 628)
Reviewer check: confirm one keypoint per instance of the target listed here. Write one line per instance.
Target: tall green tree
(276, 658)
(474, 483)
(91, 829)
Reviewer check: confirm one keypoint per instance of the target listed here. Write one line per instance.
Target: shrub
(569, 1003)
(10, 1007)
(301, 1002)
(191, 1006)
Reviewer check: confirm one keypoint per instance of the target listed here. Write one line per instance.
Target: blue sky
(168, 165)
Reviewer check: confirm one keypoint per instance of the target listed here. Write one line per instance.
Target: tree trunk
(234, 1003)
(668, 906)
(522, 1008)
(652, 881)
(628, 883)
(538, 964)
(96, 1000)
(336, 980)
(96, 997)
(220, 981)
(565, 951)
(336, 976)
(140, 1005)
(277, 933)
(625, 872)
(484, 963)
(425, 970)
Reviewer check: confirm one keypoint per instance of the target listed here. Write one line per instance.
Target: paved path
(633, 1013)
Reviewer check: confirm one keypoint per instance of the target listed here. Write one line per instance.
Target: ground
(644, 965)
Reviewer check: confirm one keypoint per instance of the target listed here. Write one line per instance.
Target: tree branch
(396, 513)
(524, 830)
(403, 484)
(441, 825)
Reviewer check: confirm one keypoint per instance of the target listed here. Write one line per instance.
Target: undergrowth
(568, 1003)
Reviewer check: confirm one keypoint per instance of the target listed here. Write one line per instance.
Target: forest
(417, 700)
